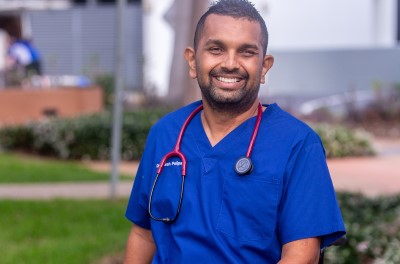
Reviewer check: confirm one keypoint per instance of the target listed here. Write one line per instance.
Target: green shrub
(20, 137)
(373, 230)
(106, 82)
(341, 142)
(86, 137)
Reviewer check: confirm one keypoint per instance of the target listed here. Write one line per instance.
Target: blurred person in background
(242, 196)
(23, 58)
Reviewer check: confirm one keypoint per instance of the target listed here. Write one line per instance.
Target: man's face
(229, 63)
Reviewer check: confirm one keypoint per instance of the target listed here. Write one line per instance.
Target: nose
(230, 61)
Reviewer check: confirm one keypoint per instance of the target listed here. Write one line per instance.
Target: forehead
(228, 28)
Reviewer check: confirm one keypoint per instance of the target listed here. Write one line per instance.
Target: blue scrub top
(226, 217)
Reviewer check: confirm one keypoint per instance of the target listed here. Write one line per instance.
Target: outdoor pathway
(82, 190)
(372, 176)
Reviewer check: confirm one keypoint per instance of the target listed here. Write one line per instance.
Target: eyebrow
(214, 42)
(249, 46)
(220, 43)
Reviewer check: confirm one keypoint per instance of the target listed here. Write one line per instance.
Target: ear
(268, 61)
(190, 57)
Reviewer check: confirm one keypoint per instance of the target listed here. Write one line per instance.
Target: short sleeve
(309, 206)
(136, 211)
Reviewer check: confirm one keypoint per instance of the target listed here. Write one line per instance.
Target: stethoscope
(243, 165)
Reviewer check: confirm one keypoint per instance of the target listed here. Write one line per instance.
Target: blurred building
(328, 48)
(77, 37)
(169, 27)
(323, 25)
(321, 47)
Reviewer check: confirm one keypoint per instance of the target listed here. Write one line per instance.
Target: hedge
(88, 137)
(340, 141)
(373, 230)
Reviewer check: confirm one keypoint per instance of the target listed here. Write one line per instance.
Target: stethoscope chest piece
(244, 166)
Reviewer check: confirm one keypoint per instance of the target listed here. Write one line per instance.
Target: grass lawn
(15, 168)
(61, 231)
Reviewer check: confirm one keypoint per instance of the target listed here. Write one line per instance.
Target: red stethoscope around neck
(243, 165)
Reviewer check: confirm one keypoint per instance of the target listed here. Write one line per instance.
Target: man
(283, 209)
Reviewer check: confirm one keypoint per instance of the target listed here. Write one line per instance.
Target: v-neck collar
(225, 144)
(236, 141)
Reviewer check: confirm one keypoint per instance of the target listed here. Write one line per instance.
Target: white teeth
(228, 80)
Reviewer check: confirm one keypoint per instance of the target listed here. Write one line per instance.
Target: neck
(218, 124)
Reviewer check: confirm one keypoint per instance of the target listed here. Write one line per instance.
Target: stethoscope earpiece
(244, 166)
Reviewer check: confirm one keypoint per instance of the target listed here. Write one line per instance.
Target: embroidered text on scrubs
(173, 163)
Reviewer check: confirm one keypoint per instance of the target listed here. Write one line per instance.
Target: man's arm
(140, 247)
(303, 251)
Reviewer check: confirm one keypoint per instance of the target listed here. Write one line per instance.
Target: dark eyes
(244, 52)
(215, 50)
(248, 53)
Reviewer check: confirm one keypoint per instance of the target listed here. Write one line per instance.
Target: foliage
(341, 142)
(373, 230)
(106, 82)
(385, 106)
(61, 231)
(86, 137)
(21, 169)
(376, 110)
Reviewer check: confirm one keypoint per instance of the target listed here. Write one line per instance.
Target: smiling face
(229, 63)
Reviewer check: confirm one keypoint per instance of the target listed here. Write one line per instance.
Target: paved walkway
(83, 190)
(372, 176)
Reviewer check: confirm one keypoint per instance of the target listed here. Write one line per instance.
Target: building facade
(79, 38)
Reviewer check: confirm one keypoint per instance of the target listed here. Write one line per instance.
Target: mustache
(236, 72)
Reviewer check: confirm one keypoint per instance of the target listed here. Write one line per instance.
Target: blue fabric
(227, 218)
(34, 53)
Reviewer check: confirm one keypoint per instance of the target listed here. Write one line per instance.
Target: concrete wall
(298, 76)
(322, 73)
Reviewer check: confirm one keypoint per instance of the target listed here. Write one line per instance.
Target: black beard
(233, 106)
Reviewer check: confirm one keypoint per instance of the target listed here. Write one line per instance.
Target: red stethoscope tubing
(255, 131)
(176, 152)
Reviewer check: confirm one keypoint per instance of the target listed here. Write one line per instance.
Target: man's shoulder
(287, 126)
(282, 118)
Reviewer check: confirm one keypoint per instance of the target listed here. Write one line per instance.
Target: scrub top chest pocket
(249, 207)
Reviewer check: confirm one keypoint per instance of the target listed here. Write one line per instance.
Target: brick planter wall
(18, 106)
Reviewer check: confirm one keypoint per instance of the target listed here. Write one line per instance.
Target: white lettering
(168, 164)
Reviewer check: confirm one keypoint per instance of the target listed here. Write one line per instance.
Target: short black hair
(235, 9)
